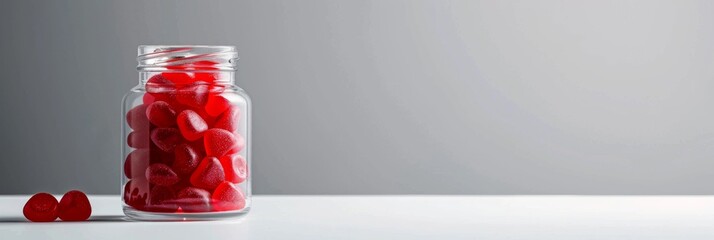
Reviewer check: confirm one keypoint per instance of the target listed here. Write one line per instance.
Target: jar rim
(187, 58)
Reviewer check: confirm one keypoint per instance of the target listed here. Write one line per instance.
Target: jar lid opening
(187, 58)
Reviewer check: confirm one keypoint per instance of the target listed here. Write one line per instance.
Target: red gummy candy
(166, 139)
(229, 120)
(156, 155)
(136, 163)
(216, 104)
(74, 206)
(138, 139)
(161, 114)
(191, 125)
(218, 142)
(194, 95)
(161, 88)
(235, 167)
(161, 174)
(210, 120)
(41, 207)
(193, 199)
(208, 174)
(186, 160)
(206, 76)
(161, 199)
(158, 83)
(199, 147)
(178, 78)
(136, 118)
(136, 192)
(239, 145)
(209, 76)
(148, 99)
(228, 197)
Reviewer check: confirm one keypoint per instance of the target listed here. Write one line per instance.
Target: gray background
(384, 97)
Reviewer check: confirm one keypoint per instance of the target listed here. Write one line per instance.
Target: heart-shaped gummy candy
(136, 118)
(161, 89)
(166, 139)
(216, 104)
(192, 199)
(235, 167)
(136, 163)
(138, 139)
(161, 174)
(218, 142)
(208, 174)
(228, 197)
(41, 207)
(194, 95)
(74, 206)
(229, 120)
(186, 159)
(191, 125)
(161, 114)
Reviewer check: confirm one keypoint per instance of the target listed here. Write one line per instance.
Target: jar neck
(187, 77)
(187, 64)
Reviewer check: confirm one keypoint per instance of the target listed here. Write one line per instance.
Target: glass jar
(186, 136)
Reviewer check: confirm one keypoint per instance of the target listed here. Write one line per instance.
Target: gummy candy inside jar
(186, 136)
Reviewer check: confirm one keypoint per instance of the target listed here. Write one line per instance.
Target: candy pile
(43, 207)
(187, 147)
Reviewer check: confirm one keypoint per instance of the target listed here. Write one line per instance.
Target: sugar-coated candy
(136, 118)
(136, 192)
(166, 139)
(161, 199)
(136, 163)
(227, 197)
(191, 125)
(186, 159)
(229, 120)
(138, 139)
(161, 114)
(74, 206)
(161, 174)
(208, 174)
(192, 199)
(235, 168)
(216, 104)
(41, 207)
(218, 142)
(194, 95)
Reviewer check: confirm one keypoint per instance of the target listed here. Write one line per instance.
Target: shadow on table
(106, 218)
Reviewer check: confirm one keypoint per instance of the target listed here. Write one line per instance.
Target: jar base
(137, 215)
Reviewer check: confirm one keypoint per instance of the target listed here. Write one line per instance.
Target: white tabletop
(399, 217)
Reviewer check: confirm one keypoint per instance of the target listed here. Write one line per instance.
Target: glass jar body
(186, 147)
